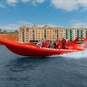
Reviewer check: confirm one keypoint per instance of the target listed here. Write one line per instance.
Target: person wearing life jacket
(39, 43)
(45, 44)
(85, 42)
(49, 44)
(63, 43)
(59, 44)
(57, 41)
(54, 45)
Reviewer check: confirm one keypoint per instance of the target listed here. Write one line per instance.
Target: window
(77, 33)
(70, 35)
(66, 34)
(81, 35)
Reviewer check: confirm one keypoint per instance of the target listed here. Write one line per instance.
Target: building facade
(71, 33)
(85, 33)
(35, 33)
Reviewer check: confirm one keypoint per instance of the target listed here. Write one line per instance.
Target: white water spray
(76, 55)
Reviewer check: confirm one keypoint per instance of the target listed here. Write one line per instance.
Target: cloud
(2, 6)
(39, 1)
(34, 2)
(69, 5)
(13, 27)
(25, 1)
(51, 25)
(78, 24)
(12, 1)
(9, 27)
(24, 23)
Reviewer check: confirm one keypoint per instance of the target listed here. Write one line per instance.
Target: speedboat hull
(34, 50)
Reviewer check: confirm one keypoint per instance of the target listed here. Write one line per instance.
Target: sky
(55, 13)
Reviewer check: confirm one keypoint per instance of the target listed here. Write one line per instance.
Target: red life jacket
(45, 44)
(59, 44)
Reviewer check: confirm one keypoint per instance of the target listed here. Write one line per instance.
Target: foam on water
(76, 55)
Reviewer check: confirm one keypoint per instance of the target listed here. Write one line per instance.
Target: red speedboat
(27, 49)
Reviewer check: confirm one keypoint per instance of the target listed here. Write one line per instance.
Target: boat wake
(76, 55)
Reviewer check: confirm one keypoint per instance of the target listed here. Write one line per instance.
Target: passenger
(42, 40)
(39, 43)
(49, 44)
(63, 43)
(45, 44)
(59, 44)
(54, 45)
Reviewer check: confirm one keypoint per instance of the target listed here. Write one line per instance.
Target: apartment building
(71, 33)
(85, 33)
(35, 33)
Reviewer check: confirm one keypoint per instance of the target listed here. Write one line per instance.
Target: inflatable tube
(28, 49)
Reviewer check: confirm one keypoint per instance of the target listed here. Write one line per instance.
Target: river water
(68, 70)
